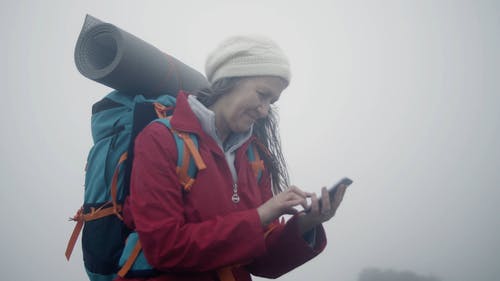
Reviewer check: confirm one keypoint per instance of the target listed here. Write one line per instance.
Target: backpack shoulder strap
(189, 160)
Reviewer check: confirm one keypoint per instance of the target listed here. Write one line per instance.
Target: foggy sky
(401, 96)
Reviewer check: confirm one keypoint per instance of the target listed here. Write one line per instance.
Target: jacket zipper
(235, 198)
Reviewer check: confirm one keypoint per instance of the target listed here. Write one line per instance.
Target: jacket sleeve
(286, 248)
(156, 206)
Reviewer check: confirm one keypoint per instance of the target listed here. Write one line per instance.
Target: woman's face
(247, 102)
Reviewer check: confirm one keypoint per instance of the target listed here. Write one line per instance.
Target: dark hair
(265, 130)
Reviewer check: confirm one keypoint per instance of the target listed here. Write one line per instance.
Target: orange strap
(190, 150)
(193, 151)
(131, 259)
(114, 184)
(81, 218)
(75, 234)
(258, 164)
(257, 167)
(184, 179)
(182, 171)
(102, 212)
(186, 157)
(161, 110)
(226, 274)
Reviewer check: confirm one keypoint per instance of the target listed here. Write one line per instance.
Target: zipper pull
(235, 197)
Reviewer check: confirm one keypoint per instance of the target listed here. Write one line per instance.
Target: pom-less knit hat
(240, 56)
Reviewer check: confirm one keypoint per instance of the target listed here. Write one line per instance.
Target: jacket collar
(183, 118)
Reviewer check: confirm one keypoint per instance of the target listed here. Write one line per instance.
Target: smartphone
(333, 189)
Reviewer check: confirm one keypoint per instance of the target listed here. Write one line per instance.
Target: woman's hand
(315, 215)
(282, 203)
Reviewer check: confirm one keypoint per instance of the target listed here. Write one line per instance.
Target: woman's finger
(314, 209)
(298, 191)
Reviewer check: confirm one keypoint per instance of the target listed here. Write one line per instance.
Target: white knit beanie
(240, 56)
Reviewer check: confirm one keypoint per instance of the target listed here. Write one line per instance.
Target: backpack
(109, 246)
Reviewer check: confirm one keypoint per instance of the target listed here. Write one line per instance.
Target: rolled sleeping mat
(113, 57)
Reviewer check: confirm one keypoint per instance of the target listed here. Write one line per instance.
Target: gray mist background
(401, 96)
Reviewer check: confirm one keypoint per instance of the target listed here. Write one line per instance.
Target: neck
(223, 130)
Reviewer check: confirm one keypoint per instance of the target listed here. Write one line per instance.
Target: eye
(266, 97)
(262, 95)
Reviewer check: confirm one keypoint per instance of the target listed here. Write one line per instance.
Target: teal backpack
(109, 246)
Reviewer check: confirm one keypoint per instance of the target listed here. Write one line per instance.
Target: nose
(263, 110)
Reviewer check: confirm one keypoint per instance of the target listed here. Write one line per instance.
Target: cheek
(240, 121)
(237, 110)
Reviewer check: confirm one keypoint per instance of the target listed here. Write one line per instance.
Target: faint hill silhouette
(374, 274)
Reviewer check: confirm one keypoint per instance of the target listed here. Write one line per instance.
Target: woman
(226, 227)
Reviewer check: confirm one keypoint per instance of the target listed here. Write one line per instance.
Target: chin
(242, 128)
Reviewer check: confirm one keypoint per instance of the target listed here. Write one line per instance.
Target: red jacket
(202, 234)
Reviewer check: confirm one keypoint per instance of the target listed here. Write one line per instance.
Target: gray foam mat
(113, 57)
